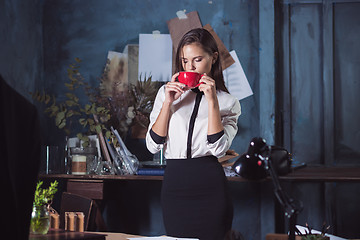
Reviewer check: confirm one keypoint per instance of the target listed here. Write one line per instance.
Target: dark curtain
(20, 158)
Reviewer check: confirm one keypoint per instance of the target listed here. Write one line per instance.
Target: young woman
(195, 127)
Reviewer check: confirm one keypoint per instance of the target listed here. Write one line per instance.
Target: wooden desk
(60, 234)
(118, 236)
(310, 173)
(324, 174)
(92, 186)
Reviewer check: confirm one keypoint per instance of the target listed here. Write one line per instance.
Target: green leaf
(59, 118)
(83, 122)
(91, 121)
(70, 103)
(69, 86)
(85, 144)
(47, 98)
(70, 95)
(98, 128)
(44, 196)
(62, 125)
(69, 114)
(79, 136)
(87, 108)
(107, 134)
(54, 108)
(93, 108)
(100, 109)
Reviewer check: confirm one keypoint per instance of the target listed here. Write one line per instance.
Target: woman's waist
(193, 173)
(196, 158)
(193, 164)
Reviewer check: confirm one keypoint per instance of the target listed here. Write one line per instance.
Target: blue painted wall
(21, 55)
(90, 29)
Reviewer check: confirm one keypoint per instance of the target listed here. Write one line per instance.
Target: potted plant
(126, 108)
(40, 216)
(122, 109)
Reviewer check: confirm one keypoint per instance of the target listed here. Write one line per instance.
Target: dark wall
(21, 55)
(317, 69)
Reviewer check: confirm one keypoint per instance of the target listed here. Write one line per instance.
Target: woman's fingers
(176, 86)
(173, 78)
(208, 81)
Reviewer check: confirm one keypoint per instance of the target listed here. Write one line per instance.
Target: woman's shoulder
(227, 101)
(162, 88)
(225, 96)
(161, 92)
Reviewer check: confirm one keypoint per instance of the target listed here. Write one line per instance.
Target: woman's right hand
(174, 89)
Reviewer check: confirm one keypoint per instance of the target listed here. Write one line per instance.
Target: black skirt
(195, 199)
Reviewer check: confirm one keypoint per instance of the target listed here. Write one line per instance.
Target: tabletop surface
(309, 173)
(60, 234)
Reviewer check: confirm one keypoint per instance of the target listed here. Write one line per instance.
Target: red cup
(191, 79)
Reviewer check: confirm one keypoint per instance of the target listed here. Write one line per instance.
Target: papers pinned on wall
(225, 57)
(235, 79)
(117, 73)
(155, 56)
(180, 25)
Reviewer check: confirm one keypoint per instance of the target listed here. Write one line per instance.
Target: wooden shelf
(101, 177)
(311, 173)
(117, 177)
(324, 174)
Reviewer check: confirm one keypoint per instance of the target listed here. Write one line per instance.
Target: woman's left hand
(208, 87)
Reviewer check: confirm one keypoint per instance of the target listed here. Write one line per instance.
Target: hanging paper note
(117, 73)
(225, 57)
(155, 56)
(182, 24)
(235, 79)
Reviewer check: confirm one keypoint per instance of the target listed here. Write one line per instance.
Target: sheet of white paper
(332, 237)
(155, 56)
(162, 238)
(235, 79)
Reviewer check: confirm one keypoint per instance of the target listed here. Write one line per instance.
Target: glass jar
(40, 220)
(83, 160)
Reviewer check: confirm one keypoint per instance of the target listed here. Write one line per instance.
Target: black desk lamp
(256, 164)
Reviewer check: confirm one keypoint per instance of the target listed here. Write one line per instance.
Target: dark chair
(76, 203)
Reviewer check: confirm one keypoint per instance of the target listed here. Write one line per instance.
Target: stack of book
(151, 168)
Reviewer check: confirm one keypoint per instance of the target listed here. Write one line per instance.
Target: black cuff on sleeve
(214, 137)
(158, 139)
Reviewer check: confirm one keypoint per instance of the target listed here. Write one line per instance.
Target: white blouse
(175, 145)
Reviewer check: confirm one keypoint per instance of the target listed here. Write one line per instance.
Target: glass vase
(83, 160)
(40, 220)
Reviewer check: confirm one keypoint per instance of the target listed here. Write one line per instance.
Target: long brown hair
(208, 43)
